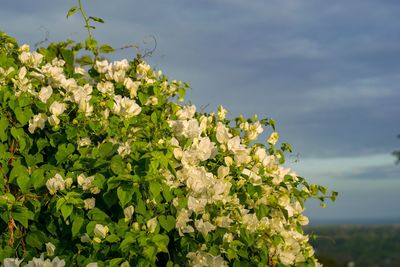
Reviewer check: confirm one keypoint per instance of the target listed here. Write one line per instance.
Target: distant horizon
(355, 221)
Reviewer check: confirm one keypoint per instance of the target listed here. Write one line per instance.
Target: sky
(328, 72)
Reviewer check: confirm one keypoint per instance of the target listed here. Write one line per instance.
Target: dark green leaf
(76, 226)
(22, 215)
(96, 19)
(3, 129)
(36, 239)
(24, 183)
(124, 195)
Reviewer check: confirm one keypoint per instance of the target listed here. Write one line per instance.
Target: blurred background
(327, 71)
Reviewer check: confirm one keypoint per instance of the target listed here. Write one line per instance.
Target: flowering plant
(101, 165)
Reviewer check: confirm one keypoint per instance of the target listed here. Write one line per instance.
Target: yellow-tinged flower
(100, 231)
(50, 248)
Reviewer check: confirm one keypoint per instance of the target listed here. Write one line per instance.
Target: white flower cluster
(208, 188)
(35, 262)
(54, 81)
(229, 183)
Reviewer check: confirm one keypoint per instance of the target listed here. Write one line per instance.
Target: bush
(102, 165)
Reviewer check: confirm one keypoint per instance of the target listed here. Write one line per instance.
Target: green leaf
(76, 226)
(3, 129)
(155, 189)
(153, 117)
(106, 49)
(91, 44)
(161, 242)
(22, 215)
(23, 114)
(115, 262)
(118, 165)
(85, 60)
(66, 210)
(100, 20)
(112, 238)
(64, 151)
(71, 11)
(167, 222)
(106, 150)
(20, 136)
(36, 239)
(68, 56)
(124, 195)
(24, 183)
(17, 171)
(97, 214)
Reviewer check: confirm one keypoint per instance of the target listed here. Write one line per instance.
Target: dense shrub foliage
(101, 165)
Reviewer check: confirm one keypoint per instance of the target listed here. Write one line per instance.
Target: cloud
(370, 166)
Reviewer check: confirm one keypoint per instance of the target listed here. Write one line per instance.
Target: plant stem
(87, 26)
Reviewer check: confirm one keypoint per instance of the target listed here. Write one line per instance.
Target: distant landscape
(364, 245)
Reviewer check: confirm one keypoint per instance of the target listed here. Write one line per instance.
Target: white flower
(121, 65)
(100, 231)
(223, 221)
(79, 70)
(57, 108)
(89, 203)
(228, 237)
(55, 184)
(53, 120)
(128, 213)
(223, 134)
(38, 121)
(24, 48)
(124, 149)
(287, 257)
(204, 227)
(204, 148)
(86, 107)
(273, 138)
(92, 264)
(187, 112)
(129, 107)
(85, 182)
(186, 128)
(70, 85)
(197, 205)
(50, 248)
(101, 66)
(30, 59)
(223, 171)
(222, 113)
(125, 107)
(85, 141)
(106, 87)
(82, 93)
(152, 224)
(12, 262)
(152, 100)
(41, 262)
(142, 69)
(132, 86)
(204, 259)
(45, 93)
(302, 219)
